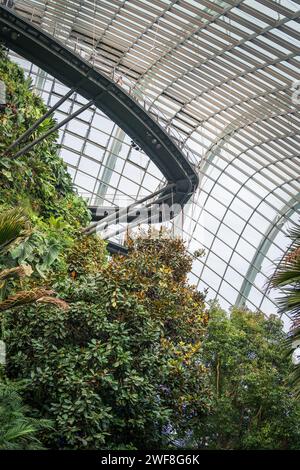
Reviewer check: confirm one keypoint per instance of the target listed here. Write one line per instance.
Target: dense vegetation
(286, 280)
(37, 181)
(119, 352)
(35, 237)
(122, 365)
(252, 406)
(18, 429)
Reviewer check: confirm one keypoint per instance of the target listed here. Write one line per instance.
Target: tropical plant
(39, 184)
(37, 181)
(18, 431)
(252, 405)
(35, 237)
(286, 280)
(125, 358)
(87, 255)
(38, 178)
(15, 226)
(122, 367)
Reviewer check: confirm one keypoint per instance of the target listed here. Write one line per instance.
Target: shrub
(121, 367)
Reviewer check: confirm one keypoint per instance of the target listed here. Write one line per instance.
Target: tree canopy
(253, 406)
(122, 366)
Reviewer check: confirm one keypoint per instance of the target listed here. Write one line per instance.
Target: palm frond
(17, 429)
(288, 272)
(20, 430)
(13, 224)
(289, 301)
(286, 279)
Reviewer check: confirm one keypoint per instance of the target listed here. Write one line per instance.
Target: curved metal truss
(223, 75)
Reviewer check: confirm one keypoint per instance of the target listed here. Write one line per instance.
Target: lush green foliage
(14, 228)
(39, 178)
(38, 181)
(40, 217)
(133, 363)
(122, 365)
(287, 280)
(18, 430)
(252, 404)
(87, 256)
(13, 225)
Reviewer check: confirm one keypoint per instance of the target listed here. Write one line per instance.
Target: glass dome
(223, 77)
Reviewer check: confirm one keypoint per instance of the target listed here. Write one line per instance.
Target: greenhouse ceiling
(223, 77)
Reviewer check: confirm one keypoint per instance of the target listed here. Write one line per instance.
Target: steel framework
(220, 75)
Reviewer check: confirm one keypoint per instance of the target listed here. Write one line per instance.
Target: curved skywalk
(53, 57)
